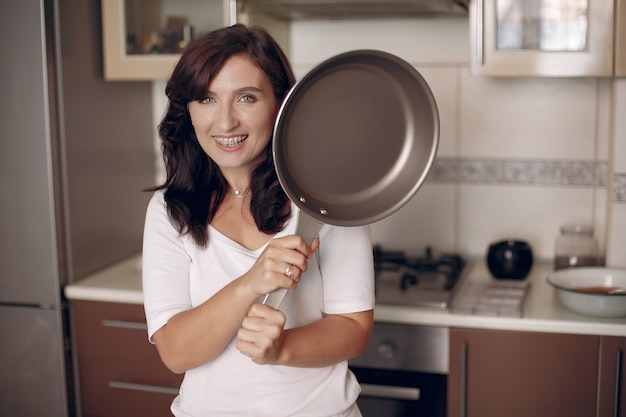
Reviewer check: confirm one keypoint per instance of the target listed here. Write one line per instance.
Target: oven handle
(389, 391)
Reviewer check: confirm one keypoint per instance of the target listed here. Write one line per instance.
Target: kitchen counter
(119, 283)
(542, 311)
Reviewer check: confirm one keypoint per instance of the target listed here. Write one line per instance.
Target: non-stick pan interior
(356, 137)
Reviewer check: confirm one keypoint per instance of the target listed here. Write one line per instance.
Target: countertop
(542, 311)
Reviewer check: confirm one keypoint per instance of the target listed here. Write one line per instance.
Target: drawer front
(121, 373)
(129, 388)
(109, 331)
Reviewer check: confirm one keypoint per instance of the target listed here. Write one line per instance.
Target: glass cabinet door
(542, 37)
(143, 39)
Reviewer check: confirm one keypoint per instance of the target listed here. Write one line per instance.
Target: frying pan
(354, 140)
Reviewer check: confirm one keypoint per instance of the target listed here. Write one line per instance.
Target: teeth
(230, 142)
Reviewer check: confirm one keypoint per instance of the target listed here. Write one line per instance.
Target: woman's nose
(227, 117)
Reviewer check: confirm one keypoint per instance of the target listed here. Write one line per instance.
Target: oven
(404, 371)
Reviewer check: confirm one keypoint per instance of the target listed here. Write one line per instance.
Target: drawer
(128, 388)
(110, 331)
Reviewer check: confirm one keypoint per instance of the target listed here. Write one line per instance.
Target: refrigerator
(75, 154)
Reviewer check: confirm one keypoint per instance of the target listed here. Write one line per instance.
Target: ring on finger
(289, 271)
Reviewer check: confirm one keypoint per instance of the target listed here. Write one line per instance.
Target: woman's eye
(207, 100)
(247, 99)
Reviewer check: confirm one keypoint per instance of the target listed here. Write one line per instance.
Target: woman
(219, 235)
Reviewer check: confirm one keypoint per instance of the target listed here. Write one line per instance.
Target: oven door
(404, 371)
(393, 393)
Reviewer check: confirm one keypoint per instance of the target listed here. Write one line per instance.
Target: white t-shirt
(178, 275)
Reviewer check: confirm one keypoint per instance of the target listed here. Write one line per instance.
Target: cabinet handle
(387, 391)
(480, 10)
(618, 382)
(463, 397)
(143, 387)
(120, 324)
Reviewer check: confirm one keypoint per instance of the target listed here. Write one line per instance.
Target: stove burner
(407, 281)
(420, 281)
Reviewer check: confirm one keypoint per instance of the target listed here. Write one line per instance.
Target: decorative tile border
(521, 172)
(565, 173)
(619, 187)
(443, 170)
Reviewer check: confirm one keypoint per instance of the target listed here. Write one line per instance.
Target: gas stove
(420, 281)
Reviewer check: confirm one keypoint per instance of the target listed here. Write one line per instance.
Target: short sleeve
(347, 267)
(165, 267)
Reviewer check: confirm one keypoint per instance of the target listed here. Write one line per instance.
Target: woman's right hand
(280, 265)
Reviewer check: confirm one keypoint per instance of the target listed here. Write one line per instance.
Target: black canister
(510, 259)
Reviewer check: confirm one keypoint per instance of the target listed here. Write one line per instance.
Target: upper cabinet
(275, 15)
(549, 38)
(143, 39)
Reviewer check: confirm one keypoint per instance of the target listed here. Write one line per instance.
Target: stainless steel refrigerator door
(32, 363)
(29, 270)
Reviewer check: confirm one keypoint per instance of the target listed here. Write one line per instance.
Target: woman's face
(234, 122)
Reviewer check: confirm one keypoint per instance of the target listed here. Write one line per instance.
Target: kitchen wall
(517, 158)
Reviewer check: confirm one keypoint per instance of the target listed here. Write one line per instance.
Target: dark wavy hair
(194, 186)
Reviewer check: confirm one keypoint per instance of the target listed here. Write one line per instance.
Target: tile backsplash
(518, 157)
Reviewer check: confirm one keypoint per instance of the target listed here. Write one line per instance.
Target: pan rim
(342, 61)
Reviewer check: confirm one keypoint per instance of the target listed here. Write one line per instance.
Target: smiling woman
(233, 123)
(220, 233)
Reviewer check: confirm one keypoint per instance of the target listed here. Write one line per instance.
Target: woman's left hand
(261, 334)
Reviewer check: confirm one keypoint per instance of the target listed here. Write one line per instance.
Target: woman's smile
(231, 142)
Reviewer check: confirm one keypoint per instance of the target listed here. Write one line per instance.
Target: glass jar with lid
(575, 247)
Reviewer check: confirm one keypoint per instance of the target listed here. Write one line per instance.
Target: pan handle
(307, 228)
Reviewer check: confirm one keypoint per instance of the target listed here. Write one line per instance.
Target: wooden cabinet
(521, 374)
(512, 38)
(507, 373)
(612, 381)
(120, 372)
(142, 39)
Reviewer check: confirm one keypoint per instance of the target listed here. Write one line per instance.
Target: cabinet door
(125, 389)
(521, 374)
(612, 400)
(542, 37)
(143, 39)
(120, 372)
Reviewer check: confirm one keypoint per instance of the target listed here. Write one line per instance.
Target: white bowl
(580, 290)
